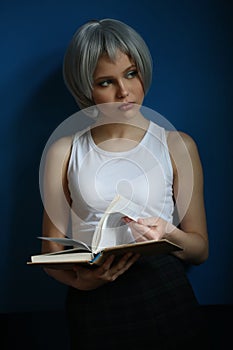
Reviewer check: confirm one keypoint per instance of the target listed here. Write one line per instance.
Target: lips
(126, 106)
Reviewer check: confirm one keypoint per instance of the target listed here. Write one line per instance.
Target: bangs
(105, 43)
(112, 45)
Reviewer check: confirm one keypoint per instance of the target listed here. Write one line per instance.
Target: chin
(119, 112)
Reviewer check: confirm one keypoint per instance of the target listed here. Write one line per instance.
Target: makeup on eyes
(104, 81)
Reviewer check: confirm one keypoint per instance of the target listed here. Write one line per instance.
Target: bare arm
(188, 194)
(57, 204)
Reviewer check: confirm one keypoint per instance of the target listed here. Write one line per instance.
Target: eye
(132, 74)
(105, 83)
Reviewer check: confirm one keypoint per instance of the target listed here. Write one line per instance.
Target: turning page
(112, 230)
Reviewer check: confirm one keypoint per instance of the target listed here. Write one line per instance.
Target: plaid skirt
(151, 306)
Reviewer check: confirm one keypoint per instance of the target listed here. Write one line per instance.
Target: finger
(79, 270)
(127, 260)
(126, 219)
(124, 268)
(107, 264)
(140, 231)
(151, 221)
(121, 263)
(140, 228)
(131, 261)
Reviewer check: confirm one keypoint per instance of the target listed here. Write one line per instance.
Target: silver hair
(89, 43)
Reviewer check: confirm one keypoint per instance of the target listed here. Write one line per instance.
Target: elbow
(200, 259)
(203, 253)
(196, 253)
(206, 253)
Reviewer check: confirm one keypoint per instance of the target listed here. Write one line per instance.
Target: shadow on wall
(43, 111)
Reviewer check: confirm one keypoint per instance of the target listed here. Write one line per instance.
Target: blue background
(191, 43)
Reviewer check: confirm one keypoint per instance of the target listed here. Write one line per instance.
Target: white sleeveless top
(144, 174)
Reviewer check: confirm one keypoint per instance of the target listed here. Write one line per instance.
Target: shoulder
(183, 152)
(60, 148)
(179, 142)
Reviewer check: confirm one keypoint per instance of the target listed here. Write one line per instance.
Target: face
(117, 83)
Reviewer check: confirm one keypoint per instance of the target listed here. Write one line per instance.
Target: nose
(122, 90)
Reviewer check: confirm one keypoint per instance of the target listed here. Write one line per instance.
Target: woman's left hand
(151, 228)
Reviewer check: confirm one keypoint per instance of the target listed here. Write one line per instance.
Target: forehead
(108, 66)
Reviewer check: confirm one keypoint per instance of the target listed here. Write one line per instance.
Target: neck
(117, 127)
(119, 136)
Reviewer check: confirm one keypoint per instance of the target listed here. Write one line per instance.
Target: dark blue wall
(191, 45)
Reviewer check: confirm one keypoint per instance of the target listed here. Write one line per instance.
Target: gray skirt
(152, 303)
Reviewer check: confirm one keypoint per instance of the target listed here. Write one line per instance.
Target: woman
(137, 300)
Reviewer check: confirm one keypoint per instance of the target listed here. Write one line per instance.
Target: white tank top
(144, 174)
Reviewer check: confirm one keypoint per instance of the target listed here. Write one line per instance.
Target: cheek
(139, 87)
(140, 91)
(100, 97)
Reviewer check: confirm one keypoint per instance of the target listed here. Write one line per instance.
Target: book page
(72, 255)
(111, 230)
(126, 207)
(68, 242)
(111, 237)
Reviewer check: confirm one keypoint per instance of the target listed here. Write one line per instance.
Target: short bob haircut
(89, 43)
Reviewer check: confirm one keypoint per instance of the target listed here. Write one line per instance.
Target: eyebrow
(112, 77)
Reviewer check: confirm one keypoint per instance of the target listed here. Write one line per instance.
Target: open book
(111, 237)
